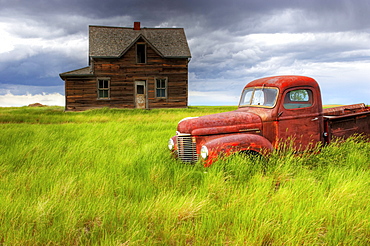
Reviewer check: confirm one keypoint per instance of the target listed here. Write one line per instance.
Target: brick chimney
(137, 26)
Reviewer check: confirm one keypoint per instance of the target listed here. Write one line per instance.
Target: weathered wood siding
(81, 93)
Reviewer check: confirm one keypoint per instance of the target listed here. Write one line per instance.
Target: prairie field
(106, 177)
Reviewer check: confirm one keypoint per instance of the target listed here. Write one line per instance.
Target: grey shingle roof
(86, 71)
(115, 41)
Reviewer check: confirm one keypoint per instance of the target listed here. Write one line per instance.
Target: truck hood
(228, 122)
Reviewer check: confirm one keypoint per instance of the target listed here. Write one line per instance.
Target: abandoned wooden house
(131, 68)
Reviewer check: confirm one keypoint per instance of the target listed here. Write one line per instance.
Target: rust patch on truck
(271, 111)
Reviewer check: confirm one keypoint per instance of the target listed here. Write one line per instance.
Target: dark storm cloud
(233, 15)
(40, 70)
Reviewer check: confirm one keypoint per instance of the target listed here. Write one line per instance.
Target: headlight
(171, 144)
(204, 152)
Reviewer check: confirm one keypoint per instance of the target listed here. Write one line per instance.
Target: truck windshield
(259, 96)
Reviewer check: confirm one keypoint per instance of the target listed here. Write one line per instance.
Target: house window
(161, 88)
(141, 53)
(103, 88)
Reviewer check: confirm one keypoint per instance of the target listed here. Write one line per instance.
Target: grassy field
(105, 177)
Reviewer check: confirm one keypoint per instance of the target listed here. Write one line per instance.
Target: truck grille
(187, 148)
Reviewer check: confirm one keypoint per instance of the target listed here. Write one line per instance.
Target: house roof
(86, 71)
(113, 42)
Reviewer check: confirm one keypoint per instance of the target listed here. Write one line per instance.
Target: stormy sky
(232, 42)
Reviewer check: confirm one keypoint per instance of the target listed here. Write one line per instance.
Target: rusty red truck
(271, 111)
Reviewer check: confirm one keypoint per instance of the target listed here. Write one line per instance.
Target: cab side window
(298, 99)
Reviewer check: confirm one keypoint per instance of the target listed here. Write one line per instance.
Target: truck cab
(290, 107)
(272, 111)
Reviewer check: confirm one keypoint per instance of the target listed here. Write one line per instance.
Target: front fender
(227, 145)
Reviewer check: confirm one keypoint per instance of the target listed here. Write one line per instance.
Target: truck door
(299, 118)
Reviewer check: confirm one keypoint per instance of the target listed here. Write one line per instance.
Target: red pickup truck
(271, 112)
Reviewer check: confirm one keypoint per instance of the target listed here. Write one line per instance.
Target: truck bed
(344, 121)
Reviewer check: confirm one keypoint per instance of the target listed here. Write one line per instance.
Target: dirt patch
(36, 105)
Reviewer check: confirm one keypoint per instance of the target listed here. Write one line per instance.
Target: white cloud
(200, 98)
(25, 37)
(6, 39)
(15, 48)
(10, 100)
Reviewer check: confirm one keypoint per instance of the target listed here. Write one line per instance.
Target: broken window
(141, 53)
(259, 96)
(140, 89)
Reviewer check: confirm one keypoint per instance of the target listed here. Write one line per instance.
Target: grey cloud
(220, 34)
(235, 15)
(40, 70)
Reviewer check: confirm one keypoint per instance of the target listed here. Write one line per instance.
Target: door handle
(314, 119)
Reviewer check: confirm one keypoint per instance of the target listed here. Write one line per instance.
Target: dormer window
(140, 53)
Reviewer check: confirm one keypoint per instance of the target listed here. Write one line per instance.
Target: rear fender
(227, 145)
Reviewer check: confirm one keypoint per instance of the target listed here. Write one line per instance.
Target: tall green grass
(105, 177)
